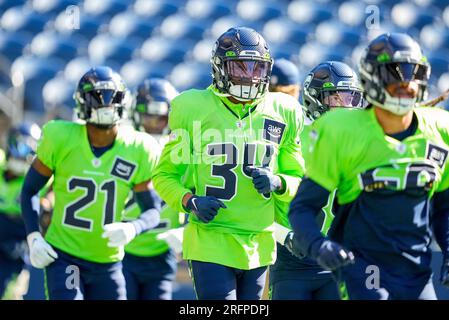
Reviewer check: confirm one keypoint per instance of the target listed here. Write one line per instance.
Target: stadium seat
(135, 71)
(282, 30)
(446, 16)
(191, 75)
(75, 69)
(181, 26)
(202, 50)
(352, 13)
(32, 73)
(58, 93)
(439, 60)
(315, 52)
(53, 7)
(407, 15)
(159, 49)
(87, 27)
(307, 11)
(443, 82)
(23, 19)
(224, 23)
(155, 8)
(334, 33)
(105, 8)
(434, 36)
(6, 4)
(12, 44)
(52, 44)
(207, 9)
(128, 24)
(284, 50)
(253, 10)
(105, 47)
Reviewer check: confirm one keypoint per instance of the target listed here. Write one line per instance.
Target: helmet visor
(403, 72)
(103, 98)
(343, 98)
(247, 71)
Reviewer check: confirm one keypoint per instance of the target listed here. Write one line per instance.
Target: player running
(387, 163)
(329, 85)
(95, 165)
(243, 144)
(150, 264)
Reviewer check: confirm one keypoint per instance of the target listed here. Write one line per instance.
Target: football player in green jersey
(20, 147)
(150, 264)
(389, 166)
(329, 85)
(243, 145)
(95, 165)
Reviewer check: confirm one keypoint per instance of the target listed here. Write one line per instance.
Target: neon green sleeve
(47, 148)
(290, 160)
(442, 120)
(149, 159)
(322, 156)
(175, 159)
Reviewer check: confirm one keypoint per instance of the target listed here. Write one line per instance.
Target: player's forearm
(308, 202)
(290, 184)
(34, 181)
(441, 220)
(171, 190)
(291, 171)
(150, 206)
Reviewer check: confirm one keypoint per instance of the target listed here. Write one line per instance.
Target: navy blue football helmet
(330, 84)
(101, 97)
(241, 64)
(21, 147)
(393, 59)
(152, 104)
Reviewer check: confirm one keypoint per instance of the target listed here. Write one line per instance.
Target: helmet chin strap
(396, 105)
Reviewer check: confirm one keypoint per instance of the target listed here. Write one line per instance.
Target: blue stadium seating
(135, 71)
(105, 47)
(12, 44)
(160, 37)
(52, 44)
(130, 25)
(21, 18)
(34, 72)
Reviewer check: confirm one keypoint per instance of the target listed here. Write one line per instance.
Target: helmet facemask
(402, 72)
(102, 104)
(247, 79)
(394, 59)
(241, 64)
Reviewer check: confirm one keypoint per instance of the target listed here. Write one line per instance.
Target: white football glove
(41, 253)
(280, 233)
(173, 238)
(119, 233)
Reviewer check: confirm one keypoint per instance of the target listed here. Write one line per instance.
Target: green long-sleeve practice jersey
(219, 140)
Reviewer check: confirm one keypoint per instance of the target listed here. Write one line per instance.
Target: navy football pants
(217, 282)
(12, 248)
(305, 289)
(71, 278)
(150, 278)
(360, 286)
